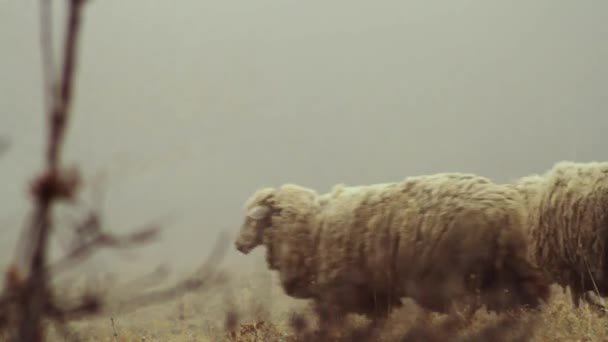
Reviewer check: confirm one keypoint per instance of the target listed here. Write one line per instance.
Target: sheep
(438, 239)
(567, 225)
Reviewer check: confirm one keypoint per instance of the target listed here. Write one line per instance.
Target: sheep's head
(259, 209)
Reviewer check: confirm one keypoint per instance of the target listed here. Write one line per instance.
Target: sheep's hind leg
(465, 314)
(596, 303)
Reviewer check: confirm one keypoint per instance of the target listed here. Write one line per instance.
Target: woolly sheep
(436, 239)
(568, 225)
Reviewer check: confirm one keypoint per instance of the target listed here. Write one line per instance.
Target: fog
(187, 107)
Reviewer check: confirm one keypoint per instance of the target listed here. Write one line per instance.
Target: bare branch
(28, 297)
(206, 277)
(62, 103)
(4, 145)
(51, 184)
(46, 50)
(98, 239)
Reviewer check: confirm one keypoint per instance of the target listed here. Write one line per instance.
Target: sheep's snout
(241, 247)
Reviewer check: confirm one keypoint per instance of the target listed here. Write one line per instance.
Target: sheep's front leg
(464, 312)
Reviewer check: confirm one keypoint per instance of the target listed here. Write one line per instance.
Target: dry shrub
(30, 300)
(256, 331)
(297, 320)
(404, 326)
(321, 321)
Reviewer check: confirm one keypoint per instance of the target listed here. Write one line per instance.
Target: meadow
(252, 307)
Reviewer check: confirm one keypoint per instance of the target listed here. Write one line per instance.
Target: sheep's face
(252, 230)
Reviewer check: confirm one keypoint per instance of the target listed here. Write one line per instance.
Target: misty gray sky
(189, 106)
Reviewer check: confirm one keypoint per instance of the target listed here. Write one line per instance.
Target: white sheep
(437, 239)
(568, 225)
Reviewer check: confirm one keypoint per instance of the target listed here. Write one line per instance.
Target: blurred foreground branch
(28, 297)
(202, 279)
(4, 145)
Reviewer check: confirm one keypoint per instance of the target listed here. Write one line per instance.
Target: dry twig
(28, 297)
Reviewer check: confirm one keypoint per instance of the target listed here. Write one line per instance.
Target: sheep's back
(390, 233)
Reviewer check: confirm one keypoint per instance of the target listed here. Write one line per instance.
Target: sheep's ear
(258, 212)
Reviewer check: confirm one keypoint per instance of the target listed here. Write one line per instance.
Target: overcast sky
(190, 106)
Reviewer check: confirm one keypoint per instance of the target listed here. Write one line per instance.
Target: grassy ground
(256, 305)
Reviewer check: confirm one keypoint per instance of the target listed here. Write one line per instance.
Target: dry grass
(257, 309)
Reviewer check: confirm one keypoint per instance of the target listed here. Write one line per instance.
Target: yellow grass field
(259, 308)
